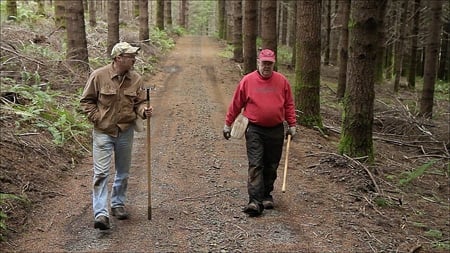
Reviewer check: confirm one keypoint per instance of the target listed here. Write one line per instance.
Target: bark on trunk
(414, 34)
(92, 13)
(356, 136)
(307, 71)
(431, 57)
(237, 31)
(144, 30)
(343, 52)
(250, 32)
(77, 53)
(399, 45)
(160, 14)
(269, 24)
(113, 24)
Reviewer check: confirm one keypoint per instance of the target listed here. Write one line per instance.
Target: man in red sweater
(264, 96)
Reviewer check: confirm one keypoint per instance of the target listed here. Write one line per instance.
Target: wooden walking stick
(149, 162)
(283, 188)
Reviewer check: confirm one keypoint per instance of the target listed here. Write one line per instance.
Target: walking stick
(149, 163)
(283, 188)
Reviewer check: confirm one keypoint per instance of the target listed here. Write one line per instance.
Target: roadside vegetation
(39, 105)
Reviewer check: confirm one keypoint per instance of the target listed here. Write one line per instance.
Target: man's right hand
(148, 111)
(227, 132)
(291, 131)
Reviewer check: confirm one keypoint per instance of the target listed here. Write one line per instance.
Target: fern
(416, 173)
(45, 112)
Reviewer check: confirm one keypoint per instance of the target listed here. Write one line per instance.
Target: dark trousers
(264, 148)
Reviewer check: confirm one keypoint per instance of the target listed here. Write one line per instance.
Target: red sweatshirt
(266, 102)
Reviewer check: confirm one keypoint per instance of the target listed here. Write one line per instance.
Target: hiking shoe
(253, 209)
(119, 213)
(268, 204)
(101, 222)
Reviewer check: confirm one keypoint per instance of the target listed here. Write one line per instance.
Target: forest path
(199, 180)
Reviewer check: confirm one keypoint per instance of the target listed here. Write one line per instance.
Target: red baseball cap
(267, 55)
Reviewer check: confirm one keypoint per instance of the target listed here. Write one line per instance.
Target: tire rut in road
(194, 161)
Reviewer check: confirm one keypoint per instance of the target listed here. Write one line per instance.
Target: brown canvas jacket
(113, 103)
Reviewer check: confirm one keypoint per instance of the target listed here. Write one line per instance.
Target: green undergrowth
(41, 108)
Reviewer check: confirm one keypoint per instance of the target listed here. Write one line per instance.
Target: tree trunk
(183, 10)
(125, 13)
(250, 32)
(292, 23)
(307, 70)
(382, 48)
(420, 66)
(144, 30)
(389, 56)
(414, 35)
(334, 33)
(85, 6)
(11, 9)
(160, 14)
(343, 51)
(443, 60)
(229, 22)
(168, 13)
(77, 53)
(113, 24)
(100, 8)
(221, 18)
(269, 26)
(92, 13)
(60, 16)
(326, 41)
(356, 136)
(136, 8)
(431, 57)
(284, 22)
(293, 31)
(400, 44)
(237, 32)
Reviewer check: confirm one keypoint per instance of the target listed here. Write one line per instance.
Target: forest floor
(198, 189)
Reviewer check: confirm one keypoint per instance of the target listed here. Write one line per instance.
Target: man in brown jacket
(112, 99)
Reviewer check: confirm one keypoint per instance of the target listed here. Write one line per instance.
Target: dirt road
(199, 183)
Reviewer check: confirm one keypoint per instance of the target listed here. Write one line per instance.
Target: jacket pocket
(106, 97)
(130, 96)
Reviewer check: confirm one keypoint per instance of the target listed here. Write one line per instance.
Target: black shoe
(102, 222)
(253, 209)
(119, 212)
(268, 204)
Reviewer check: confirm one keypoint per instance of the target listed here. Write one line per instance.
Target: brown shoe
(253, 209)
(101, 222)
(119, 212)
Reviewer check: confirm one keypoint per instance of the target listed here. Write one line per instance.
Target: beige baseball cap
(123, 48)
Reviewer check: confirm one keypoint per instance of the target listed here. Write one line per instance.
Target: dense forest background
(403, 43)
(358, 50)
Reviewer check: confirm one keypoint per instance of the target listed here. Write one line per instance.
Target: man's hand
(148, 111)
(291, 131)
(227, 132)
